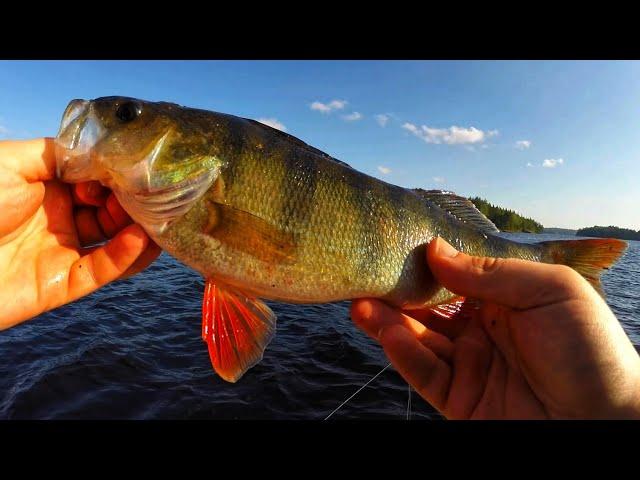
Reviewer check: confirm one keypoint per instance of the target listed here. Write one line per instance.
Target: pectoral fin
(236, 328)
(250, 234)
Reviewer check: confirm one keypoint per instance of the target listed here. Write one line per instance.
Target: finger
(429, 375)
(19, 202)
(87, 226)
(495, 320)
(147, 258)
(471, 363)
(512, 282)
(107, 223)
(90, 193)
(119, 216)
(107, 263)
(34, 160)
(112, 217)
(374, 316)
(492, 403)
(58, 208)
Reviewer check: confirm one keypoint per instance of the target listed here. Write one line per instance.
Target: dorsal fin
(296, 141)
(460, 207)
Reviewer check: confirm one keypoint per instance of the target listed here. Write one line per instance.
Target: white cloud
(273, 123)
(529, 164)
(3, 130)
(552, 162)
(382, 119)
(328, 107)
(412, 128)
(384, 170)
(523, 144)
(451, 136)
(352, 117)
(439, 179)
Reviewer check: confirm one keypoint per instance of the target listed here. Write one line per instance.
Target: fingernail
(361, 312)
(366, 309)
(445, 250)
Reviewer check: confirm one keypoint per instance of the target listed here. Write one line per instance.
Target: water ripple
(133, 351)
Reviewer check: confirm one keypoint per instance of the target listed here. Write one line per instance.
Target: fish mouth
(79, 132)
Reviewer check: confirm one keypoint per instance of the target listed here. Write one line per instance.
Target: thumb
(35, 159)
(511, 282)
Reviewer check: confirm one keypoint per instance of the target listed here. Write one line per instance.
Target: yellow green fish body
(262, 213)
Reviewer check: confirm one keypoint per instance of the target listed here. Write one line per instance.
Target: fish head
(149, 153)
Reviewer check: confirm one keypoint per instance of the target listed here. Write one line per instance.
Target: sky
(558, 141)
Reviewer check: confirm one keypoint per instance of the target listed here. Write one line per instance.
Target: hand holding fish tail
(47, 229)
(532, 340)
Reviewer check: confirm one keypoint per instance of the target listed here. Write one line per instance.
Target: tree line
(505, 219)
(609, 232)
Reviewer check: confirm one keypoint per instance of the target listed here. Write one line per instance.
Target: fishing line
(358, 391)
(409, 403)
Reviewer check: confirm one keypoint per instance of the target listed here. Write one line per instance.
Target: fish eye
(128, 111)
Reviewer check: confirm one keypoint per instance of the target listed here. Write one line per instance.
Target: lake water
(133, 350)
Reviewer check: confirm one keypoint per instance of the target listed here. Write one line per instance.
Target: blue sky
(558, 141)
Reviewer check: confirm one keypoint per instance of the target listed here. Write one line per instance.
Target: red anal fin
(459, 308)
(236, 328)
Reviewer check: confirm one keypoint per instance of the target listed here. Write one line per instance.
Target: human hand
(45, 226)
(543, 343)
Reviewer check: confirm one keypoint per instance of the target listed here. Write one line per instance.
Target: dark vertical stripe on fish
(365, 197)
(299, 181)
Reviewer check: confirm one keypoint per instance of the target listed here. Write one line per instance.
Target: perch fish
(262, 215)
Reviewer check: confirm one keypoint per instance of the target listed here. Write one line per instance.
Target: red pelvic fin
(236, 328)
(460, 307)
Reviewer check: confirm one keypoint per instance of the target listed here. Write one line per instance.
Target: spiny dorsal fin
(460, 207)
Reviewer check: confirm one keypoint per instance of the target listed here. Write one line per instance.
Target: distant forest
(609, 232)
(506, 220)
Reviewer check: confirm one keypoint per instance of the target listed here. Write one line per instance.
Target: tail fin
(588, 257)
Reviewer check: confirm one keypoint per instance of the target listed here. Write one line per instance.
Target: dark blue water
(133, 350)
